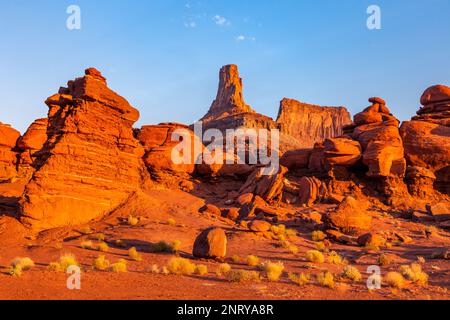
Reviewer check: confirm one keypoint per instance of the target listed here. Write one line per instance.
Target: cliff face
(310, 124)
(91, 161)
(8, 156)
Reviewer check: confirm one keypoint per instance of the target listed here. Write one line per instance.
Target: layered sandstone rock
(8, 156)
(310, 124)
(30, 144)
(426, 136)
(170, 148)
(90, 163)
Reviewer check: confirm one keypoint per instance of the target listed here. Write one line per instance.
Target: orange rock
(310, 191)
(91, 162)
(8, 157)
(259, 226)
(342, 151)
(296, 159)
(351, 216)
(211, 209)
(268, 187)
(211, 244)
(310, 124)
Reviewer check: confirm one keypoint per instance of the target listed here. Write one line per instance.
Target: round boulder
(211, 244)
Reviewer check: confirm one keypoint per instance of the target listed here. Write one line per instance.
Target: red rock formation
(230, 99)
(91, 161)
(8, 157)
(426, 136)
(310, 124)
(159, 146)
(30, 143)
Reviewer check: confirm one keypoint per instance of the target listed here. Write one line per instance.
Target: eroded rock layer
(8, 156)
(91, 161)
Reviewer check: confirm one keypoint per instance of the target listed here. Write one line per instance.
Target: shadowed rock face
(91, 161)
(310, 124)
(8, 157)
(427, 136)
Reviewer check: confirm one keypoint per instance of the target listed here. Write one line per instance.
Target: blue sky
(164, 55)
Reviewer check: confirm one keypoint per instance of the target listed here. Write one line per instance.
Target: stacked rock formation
(427, 143)
(310, 124)
(8, 155)
(91, 161)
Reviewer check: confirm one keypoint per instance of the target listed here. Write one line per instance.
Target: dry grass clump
(290, 247)
(119, 267)
(335, 258)
(134, 254)
(100, 236)
(325, 279)
(351, 273)
(101, 263)
(384, 260)
(201, 269)
(180, 266)
(85, 231)
(86, 245)
(315, 256)
(65, 261)
(318, 236)
(395, 280)
(223, 269)
(164, 246)
(20, 264)
(414, 273)
(236, 259)
(102, 247)
(300, 279)
(252, 260)
(242, 276)
(272, 271)
(132, 221)
(155, 269)
(171, 222)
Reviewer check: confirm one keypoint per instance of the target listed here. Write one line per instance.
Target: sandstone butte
(86, 159)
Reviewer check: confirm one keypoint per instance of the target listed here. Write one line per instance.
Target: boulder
(268, 187)
(211, 209)
(211, 244)
(371, 239)
(259, 226)
(440, 211)
(342, 151)
(350, 216)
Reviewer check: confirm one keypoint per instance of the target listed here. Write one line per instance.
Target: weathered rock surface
(350, 216)
(211, 244)
(161, 155)
(426, 136)
(342, 151)
(91, 162)
(310, 124)
(30, 144)
(8, 157)
(268, 187)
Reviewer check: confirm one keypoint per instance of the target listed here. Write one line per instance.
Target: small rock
(440, 211)
(232, 213)
(259, 226)
(211, 209)
(371, 239)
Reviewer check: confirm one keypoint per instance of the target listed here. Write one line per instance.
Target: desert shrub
(180, 266)
(252, 260)
(101, 263)
(223, 269)
(134, 254)
(165, 271)
(384, 260)
(291, 232)
(164, 246)
(86, 245)
(103, 247)
(20, 264)
(100, 236)
(395, 280)
(171, 222)
(175, 245)
(335, 258)
(273, 271)
(65, 261)
(132, 221)
(421, 260)
(119, 267)
(201, 269)
(155, 269)
(278, 230)
(236, 259)
(300, 279)
(315, 256)
(351, 273)
(293, 249)
(325, 279)
(414, 273)
(320, 246)
(318, 236)
(242, 276)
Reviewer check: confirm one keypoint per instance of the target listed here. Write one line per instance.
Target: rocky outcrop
(310, 124)
(426, 136)
(90, 163)
(161, 155)
(30, 143)
(8, 155)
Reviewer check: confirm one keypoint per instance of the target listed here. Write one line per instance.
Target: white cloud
(221, 21)
(245, 38)
(190, 24)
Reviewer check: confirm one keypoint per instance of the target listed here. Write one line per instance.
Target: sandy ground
(154, 210)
